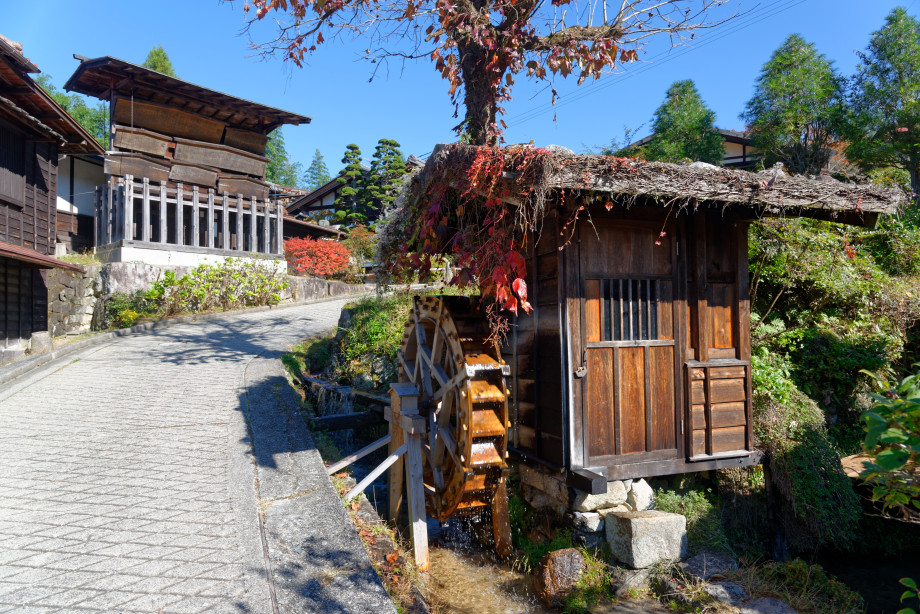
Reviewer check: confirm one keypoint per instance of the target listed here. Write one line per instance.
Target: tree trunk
(915, 184)
(478, 95)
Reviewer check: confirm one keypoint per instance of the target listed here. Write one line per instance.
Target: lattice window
(629, 309)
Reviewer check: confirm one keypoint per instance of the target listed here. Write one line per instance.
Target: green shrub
(819, 506)
(232, 284)
(124, 310)
(704, 526)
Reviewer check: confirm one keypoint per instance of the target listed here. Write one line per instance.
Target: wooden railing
(147, 212)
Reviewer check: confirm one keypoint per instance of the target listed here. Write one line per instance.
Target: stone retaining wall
(76, 300)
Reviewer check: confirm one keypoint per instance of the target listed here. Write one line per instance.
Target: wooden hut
(636, 359)
(33, 131)
(186, 168)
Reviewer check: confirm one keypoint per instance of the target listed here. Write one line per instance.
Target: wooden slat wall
(23, 302)
(719, 407)
(539, 388)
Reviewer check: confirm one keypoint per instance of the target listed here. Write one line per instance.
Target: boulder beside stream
(556, 575)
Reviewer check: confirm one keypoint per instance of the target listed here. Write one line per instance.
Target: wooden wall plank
(661, 362)
(723, 391)
(631, 376)
(593, 310)
(721, 303)
(599, 414)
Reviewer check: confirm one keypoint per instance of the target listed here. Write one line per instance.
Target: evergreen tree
(280, 169)
(94, 119)
(352, 200)
(317, 173)
(795, 114)
(885, 121)
(684, 128)
(158, 60)
(387, 167)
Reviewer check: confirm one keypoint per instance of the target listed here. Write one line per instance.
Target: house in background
(319, 205)
(185, 176)
(34, 131)
(738, 151)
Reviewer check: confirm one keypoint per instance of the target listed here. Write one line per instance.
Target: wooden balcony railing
(141, 211)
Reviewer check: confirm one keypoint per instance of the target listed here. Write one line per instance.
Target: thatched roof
(631, 180)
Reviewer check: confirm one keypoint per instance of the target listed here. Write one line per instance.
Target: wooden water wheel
(460, 378)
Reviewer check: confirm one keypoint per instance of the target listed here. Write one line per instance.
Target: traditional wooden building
(739, 153)
(186, 169)
(636, 359)
(34, 130)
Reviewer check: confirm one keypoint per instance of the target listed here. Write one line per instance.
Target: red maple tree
(316, 257)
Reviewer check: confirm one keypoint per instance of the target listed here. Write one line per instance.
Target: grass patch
(704, 526)
(806, 588)
(593, 587)
(84, 258)
(308, 357)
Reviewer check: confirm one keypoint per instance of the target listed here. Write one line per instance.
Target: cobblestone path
(129, 481)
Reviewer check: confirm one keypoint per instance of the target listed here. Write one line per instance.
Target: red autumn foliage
(316, 257)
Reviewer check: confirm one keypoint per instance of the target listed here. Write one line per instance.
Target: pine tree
(317, 173)
(351, 201)
(280, 169)
(158, 60)
(795, 114)
(684, 128)
(387, 167)
(885, 124)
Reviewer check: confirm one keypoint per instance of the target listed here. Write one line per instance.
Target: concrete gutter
(24, 366)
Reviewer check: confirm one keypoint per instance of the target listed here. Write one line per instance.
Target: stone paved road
(129, 480)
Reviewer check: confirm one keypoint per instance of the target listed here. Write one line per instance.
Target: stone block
(705, 565)
(588, 540)
(540, 500)
(641, 496)
(40, 342)
(532, 477)
(616, 508)
(58, 306)
(640, 539)
(557, 574)
(589, 522)
(615, 495)
(624, 580)
(66, 293)
(727, 592)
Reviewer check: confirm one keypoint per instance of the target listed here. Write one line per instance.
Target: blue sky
(410, 104)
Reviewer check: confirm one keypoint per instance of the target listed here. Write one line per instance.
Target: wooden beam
(373, 475)
(144, 234)
(180, 215)
(373, 447)
(162, 223)
(225, 221)
(587, 481)
(211, 217)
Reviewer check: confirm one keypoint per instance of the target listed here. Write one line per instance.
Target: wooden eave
(34, 258)
(100, 77)
(28, 105)
(315, 227)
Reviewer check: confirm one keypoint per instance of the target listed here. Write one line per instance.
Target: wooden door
(631, 360)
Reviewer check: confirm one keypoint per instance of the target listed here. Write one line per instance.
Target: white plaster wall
(163, 257)
(87, 176)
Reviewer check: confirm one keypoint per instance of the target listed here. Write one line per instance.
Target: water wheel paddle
(460, 378)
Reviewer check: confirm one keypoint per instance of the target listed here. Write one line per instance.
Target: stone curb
(25, 366)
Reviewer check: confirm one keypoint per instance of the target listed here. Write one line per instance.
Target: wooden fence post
(405, 420)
